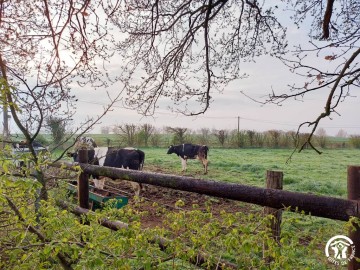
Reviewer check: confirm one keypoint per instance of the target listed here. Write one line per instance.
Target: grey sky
(265, 75)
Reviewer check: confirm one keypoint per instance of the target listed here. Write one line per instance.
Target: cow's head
(171, 149)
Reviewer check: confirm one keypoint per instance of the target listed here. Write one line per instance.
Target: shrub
(355, 141)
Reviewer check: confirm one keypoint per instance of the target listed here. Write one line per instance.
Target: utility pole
(6, 132)
(238, 132)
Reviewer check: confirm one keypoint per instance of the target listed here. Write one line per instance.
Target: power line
(265, 121)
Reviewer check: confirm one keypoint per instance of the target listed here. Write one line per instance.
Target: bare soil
(168, 198)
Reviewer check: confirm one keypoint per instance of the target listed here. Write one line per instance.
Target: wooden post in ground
(274, 180)
(353, 186)
(83, 182)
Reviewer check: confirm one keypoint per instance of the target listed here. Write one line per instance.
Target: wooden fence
(321, 206)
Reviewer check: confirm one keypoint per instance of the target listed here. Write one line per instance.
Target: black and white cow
(127, 158)
(190, 151)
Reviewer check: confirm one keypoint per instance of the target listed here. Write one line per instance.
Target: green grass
(309, 172)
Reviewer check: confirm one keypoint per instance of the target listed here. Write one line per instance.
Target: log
(79, 211)
(321, 206)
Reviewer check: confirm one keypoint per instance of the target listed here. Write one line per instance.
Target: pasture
(324, 174)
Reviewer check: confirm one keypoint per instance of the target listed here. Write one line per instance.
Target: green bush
(355, 141)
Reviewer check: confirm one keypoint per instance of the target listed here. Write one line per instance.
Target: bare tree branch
(327, 18)
(186, 51)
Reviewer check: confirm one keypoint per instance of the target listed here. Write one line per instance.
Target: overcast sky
(265, 75)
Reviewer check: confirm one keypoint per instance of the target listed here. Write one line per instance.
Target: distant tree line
(147, 135)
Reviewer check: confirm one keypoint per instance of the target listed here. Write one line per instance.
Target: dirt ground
(168, 198)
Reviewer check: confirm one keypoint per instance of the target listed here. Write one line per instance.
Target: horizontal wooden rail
(321, 206)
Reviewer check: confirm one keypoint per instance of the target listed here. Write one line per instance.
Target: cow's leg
(183, 164)
(96, 182)
(136, 187)
(99, 183)
(205, 163)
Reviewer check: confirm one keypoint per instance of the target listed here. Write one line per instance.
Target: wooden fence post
(353, 186)
(83, 182)
(274, 180)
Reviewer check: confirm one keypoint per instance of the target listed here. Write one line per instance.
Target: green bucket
(98, 200)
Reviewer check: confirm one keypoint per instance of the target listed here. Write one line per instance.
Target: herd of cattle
(132, 158)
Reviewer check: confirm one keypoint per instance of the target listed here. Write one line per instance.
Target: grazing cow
(128, 158)
(190, 151)
(85, 143)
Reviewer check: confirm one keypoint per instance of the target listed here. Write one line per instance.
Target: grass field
(324, 174)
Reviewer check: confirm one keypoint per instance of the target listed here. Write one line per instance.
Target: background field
(324, 174)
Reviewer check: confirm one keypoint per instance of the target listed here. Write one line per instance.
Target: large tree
(179, 134)
(46, 47)
(189, 50)
(146, 131)
(127, 132)
(57, 128)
